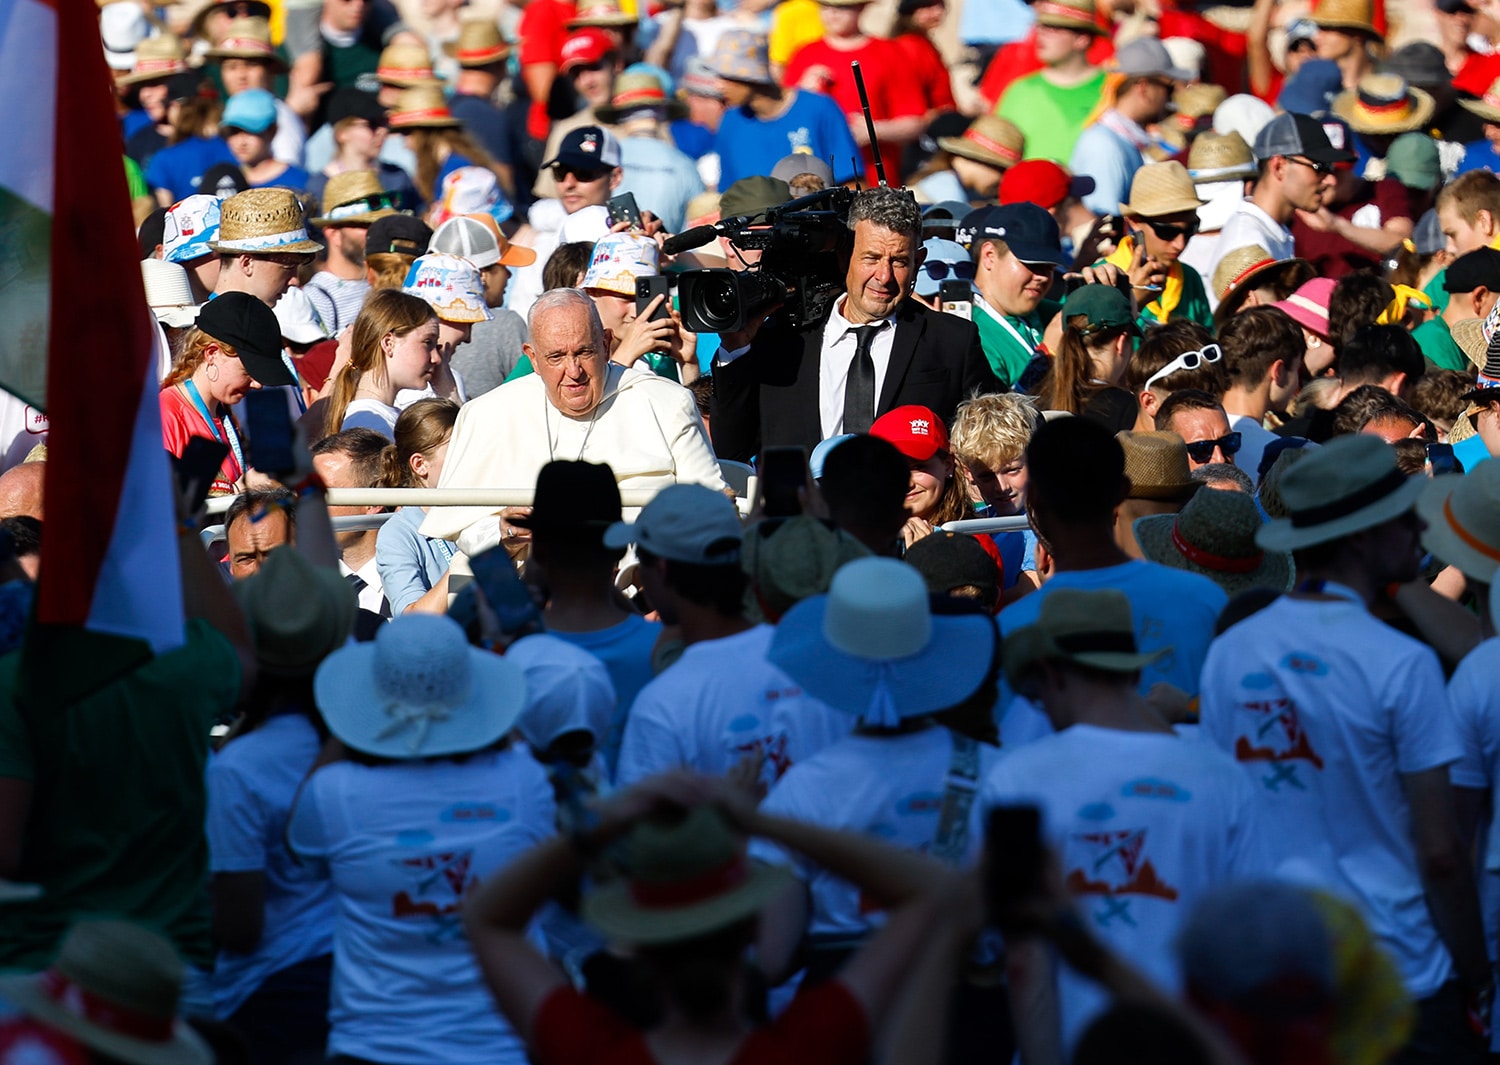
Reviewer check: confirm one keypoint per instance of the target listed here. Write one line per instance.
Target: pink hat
(1308, 306)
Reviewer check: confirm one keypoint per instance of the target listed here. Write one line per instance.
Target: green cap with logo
(1105, 306)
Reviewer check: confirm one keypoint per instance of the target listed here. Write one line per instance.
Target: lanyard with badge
(1030, 340)
(229, 435)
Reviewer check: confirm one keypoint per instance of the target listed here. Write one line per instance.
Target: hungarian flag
(76, 340)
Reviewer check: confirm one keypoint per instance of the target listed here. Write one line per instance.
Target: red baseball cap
(1042, 182)
(585, 48)
(916, 431)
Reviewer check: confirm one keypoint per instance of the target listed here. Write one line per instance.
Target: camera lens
(720, 302)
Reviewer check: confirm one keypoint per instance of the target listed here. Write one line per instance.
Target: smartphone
(957, 298)
(783, 473)
(1014, 856)
(268, 423)
(197, 468)
(1441, 460)
(647, 289)
(622, 208)
(505, 592)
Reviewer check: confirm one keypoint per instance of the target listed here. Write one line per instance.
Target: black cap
(399, 233)
(222, 180)
(949, 561)
(1472, 270)
(579, 499)
(349, 102)
(250, 328)
(587, 148)
(1029, 231)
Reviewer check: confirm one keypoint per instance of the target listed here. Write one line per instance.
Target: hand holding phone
(273, 437)
(646, 290)
(957, 298)
(622, 208)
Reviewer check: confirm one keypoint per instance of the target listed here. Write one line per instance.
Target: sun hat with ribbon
(1487, 106)
(418, 690)
(1079, 15)
(1308, 306)
(742, 55)
(451, 286)
(479, 43)
(872, 646)
(605, 14)
(1353, 16)
(1463, 521)
(1383, 104)
(1159, 190)
(618, 260)
(1242, 270)
(1195, 105)
(1220, 157)
(423, 107)
(405, 65)
(248, 38)
(1349, 484)
(1214, 535)
(567, 690)
(990, 139)
(156, 59)
(168, 293)
(637, 91)
(354, 198)
(263, 222)
(685, 876)
(298, 613)
(1156, 462)
(1087, 628)
(253, 9)
(115, 987)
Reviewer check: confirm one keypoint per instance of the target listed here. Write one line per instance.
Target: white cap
(1244, 114)
(567, 690)
(169, 293)
(122, 26)
(298, 318)
(468, 238)
(585, 225)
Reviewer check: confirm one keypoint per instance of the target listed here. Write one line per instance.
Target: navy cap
(1480, 267)
(1028, 231)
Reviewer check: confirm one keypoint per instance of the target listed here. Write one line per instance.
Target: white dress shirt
(839, 344)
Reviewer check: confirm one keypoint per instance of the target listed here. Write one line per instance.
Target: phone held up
(783, 473)
(622, 208)
(647, 289)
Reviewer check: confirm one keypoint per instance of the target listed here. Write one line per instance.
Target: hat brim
(1348, 25)
(369, 218)
(1032, 253)
(400, 121)
(1482, 109)
(517, 255)
(1469, 336)
(195, 28)
(1165, 493)
(268, 370)
(1443, 541)
(611, 115)
(1154, 535)
(299, 247)
(763, 78)
(186, 1047)
(1282, 535)
(1301, 272)
(150, 76)
(356, 709)
(1162, 210)
(613, 911)
(1077, 26)
(1030, 644)
(177, 317)
(271, 59)
(603, 22)
(338, 623)
(1419, 118)
(969, 150)
(943, 674)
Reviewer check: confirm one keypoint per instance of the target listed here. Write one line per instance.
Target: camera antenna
(864, 103)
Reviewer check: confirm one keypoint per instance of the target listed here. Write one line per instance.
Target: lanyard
(1028, 342)
(213, 426)
(286, 360)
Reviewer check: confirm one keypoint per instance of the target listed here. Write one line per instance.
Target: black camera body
(804, 244)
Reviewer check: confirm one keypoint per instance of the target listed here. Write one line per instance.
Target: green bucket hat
(1103, 305)
(1412, 159)
(1087, 628)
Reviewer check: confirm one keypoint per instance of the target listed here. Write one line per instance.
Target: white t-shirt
(1326, 708)
(1253, 440)
(371, 414)
(712, 707)
(1143, 823)
(1251, 225)
(891, 787)
(252, 783)
(406, 845)
(407, 396)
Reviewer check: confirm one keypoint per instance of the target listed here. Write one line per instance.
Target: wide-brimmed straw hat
(418, 690)
(991, 140)
(1242, 270)
(789, 560)
(247, 38)
(1086, 628)
(872, 646)
(1156, 462)
(634, 91)
(156, 59)
(257, 9)
(423, 107)
(1195, 106)
(1355, 16)
(1383, 104)
(1463, 521)
(605, 14)
(685, 878)
(1214, 535)
(1487, 106)
(299, 613)
(479, 43)
(1068, 15)
(115, 988)
(1349, 484)
(405, 65)
(1161, 189)
(263, 222)
(354, 198)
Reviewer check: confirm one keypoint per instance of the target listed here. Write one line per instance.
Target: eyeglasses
(1203, 450)
(1168, 232)
(941, 271)
(1188, 360)
(1321, 169)
(562, 170)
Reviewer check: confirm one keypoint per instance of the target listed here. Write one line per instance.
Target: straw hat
(418, 690)
(1487, 106)
(405, 66)
(637, 90)
(1463, 521)
(1351, 16)
(1086, 628)
(1471, 338)
(1244, 269)
(423, 107)
(601, 13)
(247, 38)
(1220, 157)
(685, 878)
(1195, 106)
(1159, 190)
(1349, 484)
(451, 286)
(298, 613)
(1214, 535)
(1068, 15)
(991, 140)
(1157, 464)
(156, 58)
(263, 222)
(479, 43)
(1384, 104)
(168, 293)
(114, 987)
(352, 198)
(196, 28)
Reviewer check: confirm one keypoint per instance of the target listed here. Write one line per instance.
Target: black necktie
(859, 390)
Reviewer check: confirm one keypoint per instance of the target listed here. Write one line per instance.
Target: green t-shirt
(1050, 117)
(1437, 343)
(135, 181)
(1436, 292)
(118, 799)
(1008, 356)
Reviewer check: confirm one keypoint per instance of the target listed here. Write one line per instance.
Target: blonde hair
(386, 312)
(388, 269)
(992, 430)
(424, 144)
(422, 427)
(195, 345)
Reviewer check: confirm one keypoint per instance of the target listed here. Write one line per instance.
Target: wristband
(313, 482)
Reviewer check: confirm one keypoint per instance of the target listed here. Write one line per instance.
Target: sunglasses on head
(941, 271)
(1188, 360)
(1169, 232)
(1203, 450)
(562, 170)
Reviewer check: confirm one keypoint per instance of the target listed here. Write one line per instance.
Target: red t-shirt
(180, 422)
(825, 1026)
(929, 71)
(542, 31)
(892, 95)
(1225, 50)
(1018, 58)
(1332, 255)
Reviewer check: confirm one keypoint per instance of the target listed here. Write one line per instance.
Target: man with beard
(351, 202)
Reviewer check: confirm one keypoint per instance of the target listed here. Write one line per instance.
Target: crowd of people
(976, 542)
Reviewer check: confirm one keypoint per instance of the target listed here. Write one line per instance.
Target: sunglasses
(1168, 232)
(1203, 450)
(1321, 169)
(941, 271)
(1188, 360)
(380, 201)
(562, 170)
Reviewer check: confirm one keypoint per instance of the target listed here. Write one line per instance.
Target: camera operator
(876, 349)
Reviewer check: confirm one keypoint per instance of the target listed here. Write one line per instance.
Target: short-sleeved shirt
(179, 167)
(1051, 117)
(794, 23)
(410, 564)
(486, 122)
(1436, 341)
(812, 124)
(1334, 256)
(1249, 224)
(625, 649)
(662, 178)
(1475, 702)
(926, 67)
(1111, 160)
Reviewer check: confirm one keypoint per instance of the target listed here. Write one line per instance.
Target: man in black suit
(877, 349)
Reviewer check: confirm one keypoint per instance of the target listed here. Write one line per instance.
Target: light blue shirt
(662, 178)
(625, 649)
(1111, 161)
(1471, 452)
(994, 21)
(410, 564)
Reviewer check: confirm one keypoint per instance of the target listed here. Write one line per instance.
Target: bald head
(21, 490)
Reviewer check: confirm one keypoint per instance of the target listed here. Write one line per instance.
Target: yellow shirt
(794, 23)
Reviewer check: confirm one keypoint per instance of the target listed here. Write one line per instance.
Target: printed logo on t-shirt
(437, 886)
(1153, 636)
(36, 421)
(746, 739)
(799, 140)
(1113, 865)
(1273, 733)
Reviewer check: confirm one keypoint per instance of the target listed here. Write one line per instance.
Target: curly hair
(994, 429)
(892, 209)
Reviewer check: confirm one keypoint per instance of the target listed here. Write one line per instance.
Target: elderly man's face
(881, 269)
(569, 358)
(251, 539)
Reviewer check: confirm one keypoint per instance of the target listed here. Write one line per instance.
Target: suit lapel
(806, 414)
(903, 350)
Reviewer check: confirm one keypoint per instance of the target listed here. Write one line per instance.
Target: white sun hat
(450, 285)
(169, 293)
(567, 690)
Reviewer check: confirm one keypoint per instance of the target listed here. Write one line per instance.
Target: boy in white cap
(494, 346)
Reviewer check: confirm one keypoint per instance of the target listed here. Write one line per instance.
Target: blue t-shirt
(625, 649)
(1480, 155)
(662, 178)
(691, 139)
(179, 167)
(293, 177)
(410, 564)
(133, 122)
(1111, 161)
(748, 146)
(1471, 452)
(1017, 551)
(994, 21)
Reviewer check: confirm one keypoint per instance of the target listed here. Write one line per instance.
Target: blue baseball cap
(1028, 231)
(945, 261)
(253, 111)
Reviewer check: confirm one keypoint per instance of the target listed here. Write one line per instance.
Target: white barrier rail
(1017, 523)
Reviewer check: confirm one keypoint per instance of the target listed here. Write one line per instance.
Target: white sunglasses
(1188, 360)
